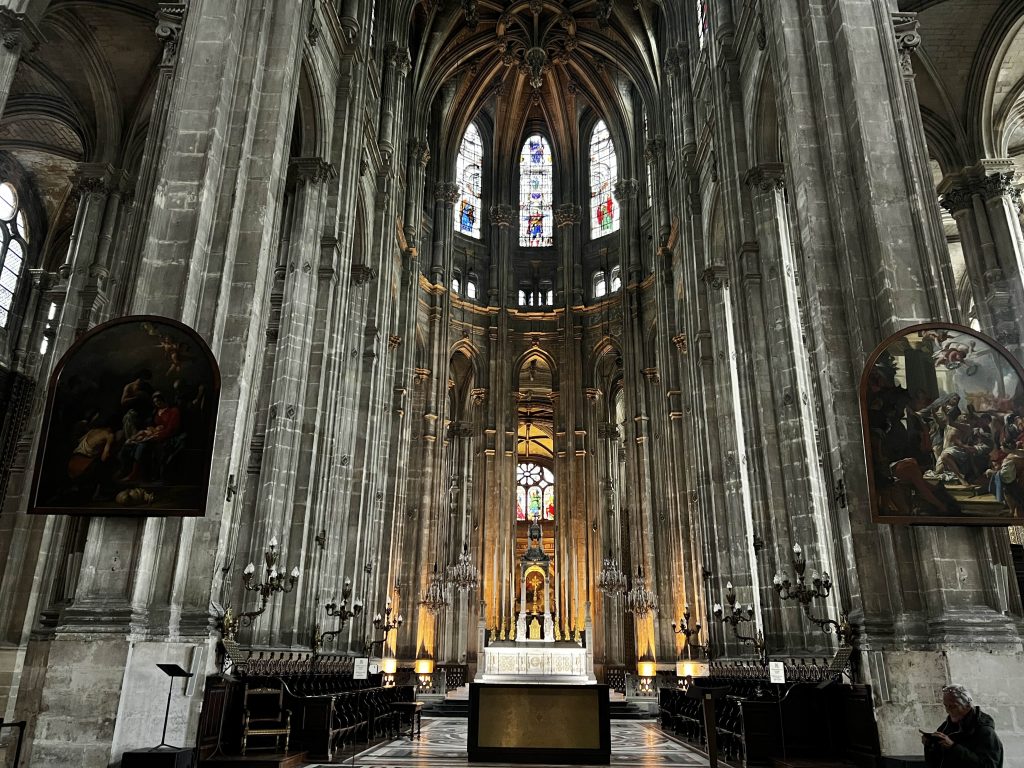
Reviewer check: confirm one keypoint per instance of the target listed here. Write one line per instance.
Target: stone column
(502, 218)
(626, 191)
(20, 37)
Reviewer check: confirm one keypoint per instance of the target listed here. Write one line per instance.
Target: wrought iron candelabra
(736, 615)
(343, 612)
(821, 587)
(690, 632)
(274, 581)
(384, 624)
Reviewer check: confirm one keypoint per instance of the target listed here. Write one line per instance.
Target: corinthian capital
(170, 18)
(626, 189)
(503, 215)
(446, 192)
(18, 32)
(567, 215)
(312, 170)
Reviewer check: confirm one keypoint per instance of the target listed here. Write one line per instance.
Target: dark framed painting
(129, 423)
(943, 412)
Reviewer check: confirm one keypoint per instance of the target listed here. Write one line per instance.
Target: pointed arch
(604, 170)
(469, 175)
(536, 186)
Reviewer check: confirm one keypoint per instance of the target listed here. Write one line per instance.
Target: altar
(553, 663)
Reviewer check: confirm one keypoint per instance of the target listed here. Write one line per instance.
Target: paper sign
(362, 666)
(375, 669)
(776, 671)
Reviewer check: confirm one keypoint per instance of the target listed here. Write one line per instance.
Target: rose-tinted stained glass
(604, 169)
(535, 494)
(535, 201)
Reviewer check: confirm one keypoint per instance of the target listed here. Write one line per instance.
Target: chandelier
(435, 598)
(640, 600)
(463, 575)
(612, 580)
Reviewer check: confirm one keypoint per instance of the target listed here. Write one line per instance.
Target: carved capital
(18, 32)
(653, 375)
(312, 170)
(446, 192)
(655, 149)
(471, 12)
(714, 277)
(90, 179)
(908, 38)
(362, 274)
(478, 395)
(607, 430)
(567, 215)
(626, 189)
(420, 375)
(419, 150)
(394, 342)
(503, 215)
(682, 343)
(593, 395)
(170, 19)
(957, 199)
(769, 177)
(997, 184)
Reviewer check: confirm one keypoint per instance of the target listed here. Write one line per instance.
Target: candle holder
(384, 624)
(343, 612)
(688, 631)
(821, 587)
(639, 600)
(611, 580)
(274, 581)
(736, 615)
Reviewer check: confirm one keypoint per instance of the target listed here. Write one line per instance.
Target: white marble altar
(534, 663)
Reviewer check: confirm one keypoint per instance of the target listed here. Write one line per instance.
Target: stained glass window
(702, 23)
(468, 175)
(604, 211)
(13, 245)
(535, 184)
(647, 167)
(535, 492)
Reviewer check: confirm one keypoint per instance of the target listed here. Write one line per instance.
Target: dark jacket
(975, 744)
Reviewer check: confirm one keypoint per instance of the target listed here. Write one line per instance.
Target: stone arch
(999, 62)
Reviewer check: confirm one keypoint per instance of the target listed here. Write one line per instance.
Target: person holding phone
(967, 738)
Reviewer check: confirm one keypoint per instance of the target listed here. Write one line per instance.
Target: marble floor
(635, 744)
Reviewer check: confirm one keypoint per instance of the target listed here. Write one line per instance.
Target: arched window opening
(535, 201)
(604, 169)
(469, 175)
(647, 168)
(535, 492)
(44, 345)
(600, 285)
(522, 298)
(616, 280)
(471, 289)
(456, 286)
(14, 236)
(702, 23)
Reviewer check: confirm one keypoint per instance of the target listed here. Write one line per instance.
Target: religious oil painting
(943, 413)
(129, 423)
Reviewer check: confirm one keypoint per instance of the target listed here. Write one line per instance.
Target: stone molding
(960, 192)
(362, 274)
(654, 149)
(626, 189)
(170, 19)
(18, 32)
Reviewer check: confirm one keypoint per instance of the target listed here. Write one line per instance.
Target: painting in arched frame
(129, 423)
(942, 408)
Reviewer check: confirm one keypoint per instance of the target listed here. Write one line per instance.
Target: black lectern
(170, 756)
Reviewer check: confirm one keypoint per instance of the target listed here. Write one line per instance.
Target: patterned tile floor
(635, 744)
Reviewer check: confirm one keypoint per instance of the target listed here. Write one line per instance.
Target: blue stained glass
(469, 176)
(535, 198)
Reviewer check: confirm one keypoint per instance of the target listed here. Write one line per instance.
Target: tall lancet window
(702, 23)
(604, 211)
(13, 245)
(468, 175)
(535, 193)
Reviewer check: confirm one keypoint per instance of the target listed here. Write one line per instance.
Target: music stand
(172, 671)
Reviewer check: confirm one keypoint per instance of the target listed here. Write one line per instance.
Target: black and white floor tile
(635, 744)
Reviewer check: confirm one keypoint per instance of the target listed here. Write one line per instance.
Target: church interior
(359, 355)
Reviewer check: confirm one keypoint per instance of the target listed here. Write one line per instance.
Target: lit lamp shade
(646, 668)
(689, 668)
(424, 666)
(389, 666)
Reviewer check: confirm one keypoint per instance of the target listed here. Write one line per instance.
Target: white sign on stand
(776, 671)
(361, 668)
